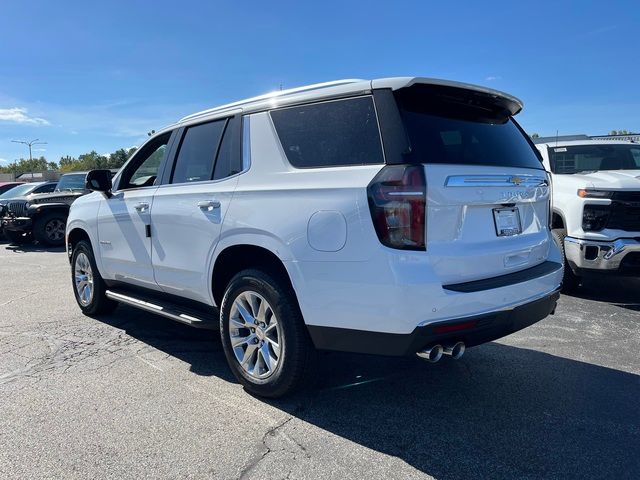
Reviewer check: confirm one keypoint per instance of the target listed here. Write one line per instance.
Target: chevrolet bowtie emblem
(516, 180)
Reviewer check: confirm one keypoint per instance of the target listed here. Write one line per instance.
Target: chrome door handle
(208, 205)
(142, 206)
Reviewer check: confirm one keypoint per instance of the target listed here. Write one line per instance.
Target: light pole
(29, 144)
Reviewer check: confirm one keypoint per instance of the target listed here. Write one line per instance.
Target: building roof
(25, 176)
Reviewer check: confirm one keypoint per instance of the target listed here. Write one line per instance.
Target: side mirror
(99, 181)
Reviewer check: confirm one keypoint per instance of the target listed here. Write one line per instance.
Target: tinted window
(49, 187)
(229, 161)
(71, 182)
(591, 158)
(197, 152)
(457, 131)
(343, 132)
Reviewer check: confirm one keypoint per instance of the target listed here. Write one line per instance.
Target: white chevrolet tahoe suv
(398, 216)
(596, 204)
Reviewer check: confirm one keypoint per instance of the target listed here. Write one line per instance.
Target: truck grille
(624, 218)
(625, 211)
(18, 209)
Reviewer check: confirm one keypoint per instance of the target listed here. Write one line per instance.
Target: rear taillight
(397, 200)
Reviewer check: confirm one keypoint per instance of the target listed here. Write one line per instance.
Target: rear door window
(229, 160)
(197, 153)
(447, 130)
(328, 134)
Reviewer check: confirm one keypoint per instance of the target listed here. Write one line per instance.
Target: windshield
(20, 190)
(445, 129)
(71, 182)
(593, 158)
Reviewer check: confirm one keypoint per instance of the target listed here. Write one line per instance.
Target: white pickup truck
(596, 204)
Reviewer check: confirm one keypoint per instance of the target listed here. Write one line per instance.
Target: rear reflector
(397, 200)
(456, 327)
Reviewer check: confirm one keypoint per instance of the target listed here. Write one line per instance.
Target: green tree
(535, 135)
(118, 158)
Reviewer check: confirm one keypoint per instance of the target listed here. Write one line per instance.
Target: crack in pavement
(253, 463)
(17, 299)
(272, 433)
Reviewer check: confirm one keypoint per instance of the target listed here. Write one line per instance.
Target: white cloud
(4, 160)
(492, 78)
(20, 115)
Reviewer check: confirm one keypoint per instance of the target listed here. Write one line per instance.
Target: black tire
(18, 238)
(99, 303)
(570, 281)
(49, 229)
(296, 351)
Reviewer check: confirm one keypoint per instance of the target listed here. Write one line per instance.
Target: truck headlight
(595, 217)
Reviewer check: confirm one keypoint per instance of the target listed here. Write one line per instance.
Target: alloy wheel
(255, 334)
(83, 277)
(54, 229)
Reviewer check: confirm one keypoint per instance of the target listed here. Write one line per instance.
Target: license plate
(507, 221)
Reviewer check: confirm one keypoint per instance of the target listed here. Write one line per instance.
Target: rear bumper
(17, 224)
(470, 330)
(598, 255)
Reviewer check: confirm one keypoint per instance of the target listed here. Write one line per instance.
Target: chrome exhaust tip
(431, 354)
(455, 351)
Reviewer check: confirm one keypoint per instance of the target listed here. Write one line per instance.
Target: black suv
(43, 216)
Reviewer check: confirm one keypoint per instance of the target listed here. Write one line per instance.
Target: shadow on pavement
(29, 247)
(621, 291)
(198, 347)
(501, 412)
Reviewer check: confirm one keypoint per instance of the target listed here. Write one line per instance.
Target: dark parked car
(22, 192)
(43, 216)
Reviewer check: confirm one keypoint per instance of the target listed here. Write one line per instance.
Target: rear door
(487, 191)
(188, 209)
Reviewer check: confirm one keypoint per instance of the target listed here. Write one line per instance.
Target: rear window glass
(592, 158)
(444, 130)
(336, 133)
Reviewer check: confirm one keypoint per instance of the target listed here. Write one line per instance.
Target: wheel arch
(557, 219)
(77, 231)
(75, 235)
(38, 210)
(235, 258)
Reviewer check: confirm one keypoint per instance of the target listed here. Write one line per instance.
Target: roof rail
(276, 93)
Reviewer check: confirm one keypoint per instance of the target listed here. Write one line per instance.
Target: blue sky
(98, 75)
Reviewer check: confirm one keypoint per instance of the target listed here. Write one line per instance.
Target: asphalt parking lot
(132, 395)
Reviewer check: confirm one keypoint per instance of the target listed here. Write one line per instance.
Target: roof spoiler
(510, 103)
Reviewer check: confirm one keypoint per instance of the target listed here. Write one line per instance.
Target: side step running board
(174, 312)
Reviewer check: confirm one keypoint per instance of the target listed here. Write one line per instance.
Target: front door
(124, 219)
